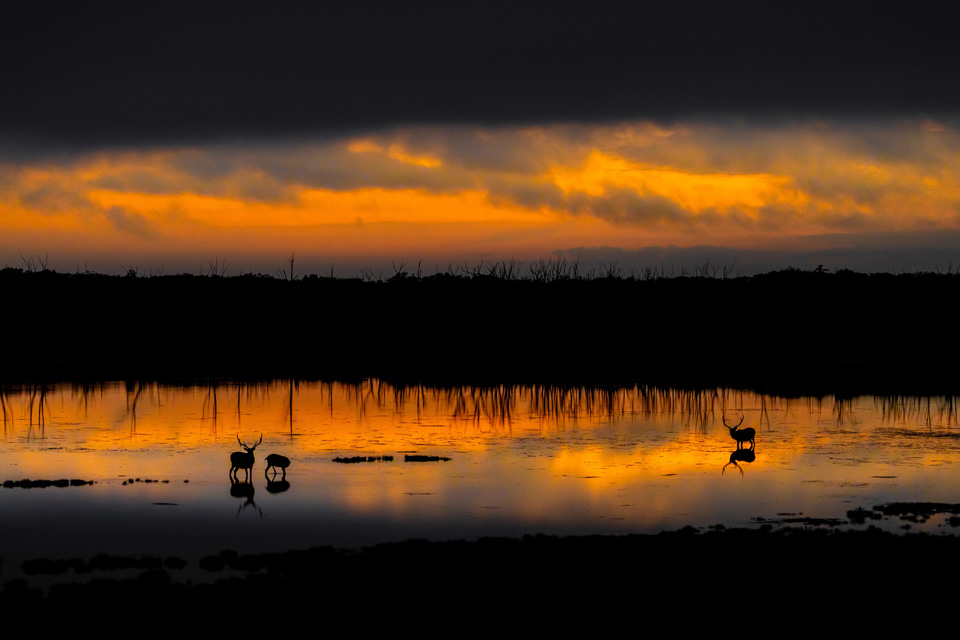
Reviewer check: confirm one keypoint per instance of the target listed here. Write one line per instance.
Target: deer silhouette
(741, 435)
(276, 461)
(739, 455)
(243, 459)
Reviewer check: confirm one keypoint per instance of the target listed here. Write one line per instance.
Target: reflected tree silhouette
(293, 385)
(210, 405)
(499, 405)
(843, 409)
(3, 405)
(38, 396)
(134, 393)
(483, 407)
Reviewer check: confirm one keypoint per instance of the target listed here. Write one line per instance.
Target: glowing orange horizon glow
(691, 191)
(541, 190)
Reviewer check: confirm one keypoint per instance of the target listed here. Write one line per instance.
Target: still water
(522, 459)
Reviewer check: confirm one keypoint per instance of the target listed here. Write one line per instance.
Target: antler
(724, 418)
(254, 446)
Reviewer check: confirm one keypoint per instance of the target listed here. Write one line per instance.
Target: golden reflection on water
(523, 458)
(142, 415)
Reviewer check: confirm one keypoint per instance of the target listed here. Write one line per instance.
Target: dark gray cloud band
(91, 74)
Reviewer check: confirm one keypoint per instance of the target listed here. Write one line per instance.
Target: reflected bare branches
(478, 407)
(134, 390)
(918, 410)
(843, 411)
(210, 408)
(3, 405)
(36, 399)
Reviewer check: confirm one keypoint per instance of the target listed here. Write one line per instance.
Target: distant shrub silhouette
(506, 321)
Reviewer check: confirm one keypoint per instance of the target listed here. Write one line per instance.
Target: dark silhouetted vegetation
(42, 484)
(771, 575)
(504, 322)
(356, 459)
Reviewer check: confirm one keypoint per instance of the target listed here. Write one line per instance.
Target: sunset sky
(363, 135)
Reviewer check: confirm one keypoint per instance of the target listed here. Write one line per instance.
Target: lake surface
(522, 459)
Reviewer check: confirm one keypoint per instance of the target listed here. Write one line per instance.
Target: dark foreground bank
(790, 331)
(717, 579)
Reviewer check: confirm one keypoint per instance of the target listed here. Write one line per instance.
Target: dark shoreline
(778, 569)
(789, 332)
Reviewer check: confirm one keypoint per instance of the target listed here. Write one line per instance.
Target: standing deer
(277, 461)
(741, 435)
(243, 459)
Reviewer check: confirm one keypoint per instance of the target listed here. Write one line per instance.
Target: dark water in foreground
(522, 459)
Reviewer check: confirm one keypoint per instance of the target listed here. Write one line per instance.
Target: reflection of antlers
(739, 455)
(244, 490)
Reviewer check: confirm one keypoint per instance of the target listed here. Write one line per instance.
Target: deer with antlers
(741, 435)
(243, 459)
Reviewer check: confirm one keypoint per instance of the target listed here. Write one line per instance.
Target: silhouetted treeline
(788, 327)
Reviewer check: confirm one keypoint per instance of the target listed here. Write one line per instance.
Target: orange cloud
(507, 193)
(395, 151)
(322, 207)
(690, 191)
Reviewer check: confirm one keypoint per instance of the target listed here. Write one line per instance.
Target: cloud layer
(85, 75)
(448, 194)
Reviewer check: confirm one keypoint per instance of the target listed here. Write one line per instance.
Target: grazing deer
(276, 461)
(243, 459)
(741, 435)
(739, 455)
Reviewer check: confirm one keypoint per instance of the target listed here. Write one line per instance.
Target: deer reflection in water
(277, 486)
(246, 491)
(243, 459)
(739, 455)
